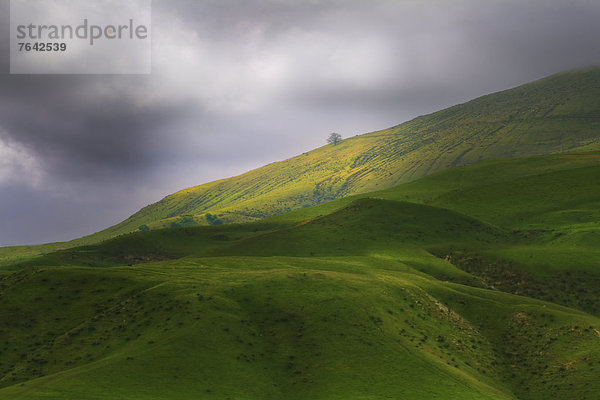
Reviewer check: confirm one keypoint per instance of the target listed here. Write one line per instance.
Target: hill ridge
(554, 114)
(535, 118)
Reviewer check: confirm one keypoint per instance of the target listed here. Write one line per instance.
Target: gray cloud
(237, 84)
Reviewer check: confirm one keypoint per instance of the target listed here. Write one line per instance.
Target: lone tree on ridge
(334, 138)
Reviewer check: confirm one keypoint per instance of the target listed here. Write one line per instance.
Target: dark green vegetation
(403, 293)
(474, 282)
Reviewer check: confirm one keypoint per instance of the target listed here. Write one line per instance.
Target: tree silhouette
(334, 138)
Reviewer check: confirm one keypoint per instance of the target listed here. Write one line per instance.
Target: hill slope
(550, 205)
(558, 113)
(345, 300)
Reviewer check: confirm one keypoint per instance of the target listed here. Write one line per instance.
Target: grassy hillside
(549, 205)
(438, 288)
(324, 328)
(555, 114)
(472, 282)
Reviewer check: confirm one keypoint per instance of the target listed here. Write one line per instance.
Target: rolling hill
(555, 114)
(477, 282)
(433, 262)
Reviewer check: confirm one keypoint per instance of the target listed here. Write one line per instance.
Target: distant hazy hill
(558, 113)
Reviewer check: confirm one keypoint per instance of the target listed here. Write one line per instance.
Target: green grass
(552, 115)
(474, 282)
(555, 114)
(299, 327)
(402, 293)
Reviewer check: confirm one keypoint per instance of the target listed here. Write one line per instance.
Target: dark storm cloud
(441, 50)
(237, 84)
(86, 137)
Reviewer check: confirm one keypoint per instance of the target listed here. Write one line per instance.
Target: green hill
(472, 282)
(555, 114)
(401, 293)
(548, 204)
(284, 327)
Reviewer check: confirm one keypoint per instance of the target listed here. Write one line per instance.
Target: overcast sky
(236, 84)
